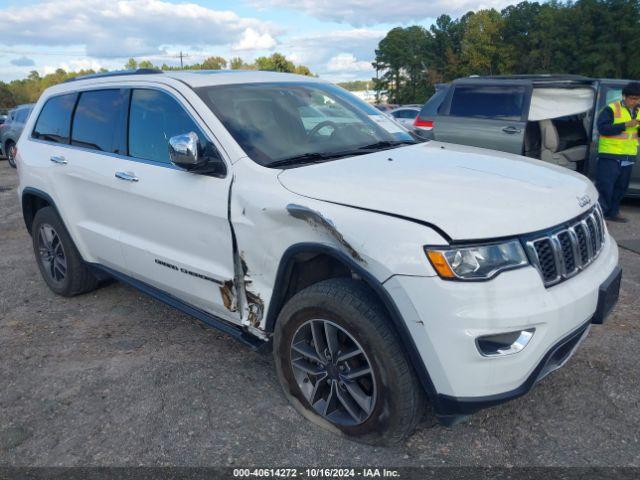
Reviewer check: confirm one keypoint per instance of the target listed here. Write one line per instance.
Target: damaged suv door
(175, 229)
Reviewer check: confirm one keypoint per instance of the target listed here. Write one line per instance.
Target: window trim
(169, 90)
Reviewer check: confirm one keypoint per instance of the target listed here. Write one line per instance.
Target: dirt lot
(116, 378)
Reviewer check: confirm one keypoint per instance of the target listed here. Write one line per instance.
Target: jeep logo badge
(584, 200)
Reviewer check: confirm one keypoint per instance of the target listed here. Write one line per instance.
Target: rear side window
(501, 102)
(405, 113)
(430, 109)
(98, 119)
(55, 118)
(21, 115)
(154, 118)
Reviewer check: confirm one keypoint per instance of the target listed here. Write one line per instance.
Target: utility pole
(181, 56)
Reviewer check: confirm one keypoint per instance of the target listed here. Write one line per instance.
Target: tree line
(27, 90)
(597, 38)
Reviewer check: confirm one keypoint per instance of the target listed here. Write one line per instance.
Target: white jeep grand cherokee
(281, 209)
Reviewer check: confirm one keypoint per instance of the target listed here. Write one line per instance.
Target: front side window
(500, 102)
(54, 121)
(154, 118)
(97, 120)
(291, 122)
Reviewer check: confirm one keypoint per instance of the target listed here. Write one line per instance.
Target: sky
(336, 39)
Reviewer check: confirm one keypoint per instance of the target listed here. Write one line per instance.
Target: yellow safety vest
(625, 143)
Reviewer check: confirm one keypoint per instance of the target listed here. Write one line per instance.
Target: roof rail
(116, 73)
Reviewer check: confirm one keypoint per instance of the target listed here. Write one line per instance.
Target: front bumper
(445, 318)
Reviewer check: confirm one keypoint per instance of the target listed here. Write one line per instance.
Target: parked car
(10, 131)
(385, 272)
(423, 123)
(385, 107)
(548, 117)
(405, 114)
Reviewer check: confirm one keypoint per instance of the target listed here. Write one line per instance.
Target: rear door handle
(59, 159)
(511, 129)
(128, 176)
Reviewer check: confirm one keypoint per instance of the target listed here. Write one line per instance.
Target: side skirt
(234, 331)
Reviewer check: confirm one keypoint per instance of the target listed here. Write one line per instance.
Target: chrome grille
(565, 251)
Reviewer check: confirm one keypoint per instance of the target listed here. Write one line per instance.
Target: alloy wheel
(51, 251)
(333, 372)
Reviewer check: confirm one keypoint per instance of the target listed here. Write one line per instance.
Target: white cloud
(76, 65)
(253, 40)
(346, 62)
(372, 12)
(336, 55)
(130, 27)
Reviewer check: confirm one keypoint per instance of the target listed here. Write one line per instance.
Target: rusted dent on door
(316, 219)
(228, 296)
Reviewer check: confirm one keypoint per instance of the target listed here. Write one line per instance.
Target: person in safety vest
(617, 150)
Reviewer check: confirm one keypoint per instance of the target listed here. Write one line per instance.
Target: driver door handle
(511, 129)
(127, 176)
(59, 159)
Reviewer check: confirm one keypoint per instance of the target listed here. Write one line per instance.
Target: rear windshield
(501, 102)
(273, 122)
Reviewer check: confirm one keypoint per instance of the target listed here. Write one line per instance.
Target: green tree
(237, 63)
(483, 48)
(275, 63)
(214, 63)
(6, 96)
(131, 64)
(145, 64)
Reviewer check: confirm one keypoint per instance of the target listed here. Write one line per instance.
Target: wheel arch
(281, 288)
(33, 200)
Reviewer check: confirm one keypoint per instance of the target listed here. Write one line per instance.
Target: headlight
(477, 262)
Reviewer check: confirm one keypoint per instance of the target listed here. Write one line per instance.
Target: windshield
(296, 123)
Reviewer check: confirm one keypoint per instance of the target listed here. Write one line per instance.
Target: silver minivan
(548, 117)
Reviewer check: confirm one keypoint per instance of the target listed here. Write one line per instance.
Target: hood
(468, 192)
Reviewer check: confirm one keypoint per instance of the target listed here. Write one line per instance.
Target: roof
(540, 79)
(198, 78)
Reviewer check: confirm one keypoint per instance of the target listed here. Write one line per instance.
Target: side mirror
(185, 151)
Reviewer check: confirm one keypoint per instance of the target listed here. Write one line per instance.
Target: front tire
(341, 364)
(10, 149)
(58, 259)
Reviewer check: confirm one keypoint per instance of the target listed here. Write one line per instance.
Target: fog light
(504, 343)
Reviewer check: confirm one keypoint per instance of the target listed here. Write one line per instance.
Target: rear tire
(58, 259)
(10, 150)
(373, 396)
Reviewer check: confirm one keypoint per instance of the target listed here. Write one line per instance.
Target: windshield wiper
(305, 158)
(318, 157)
(386, 144)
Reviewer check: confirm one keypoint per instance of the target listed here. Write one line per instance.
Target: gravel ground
(116, 378)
